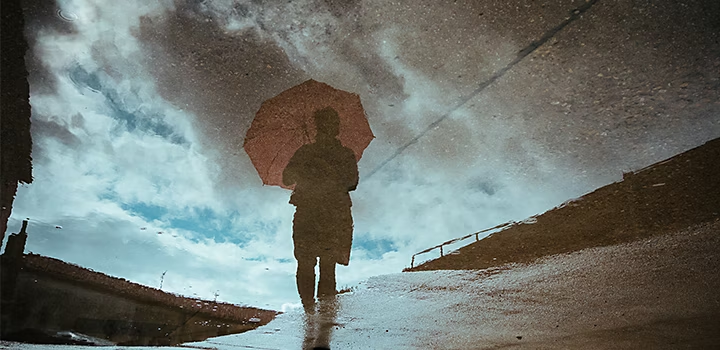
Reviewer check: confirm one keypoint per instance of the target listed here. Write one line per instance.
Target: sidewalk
(657, 293)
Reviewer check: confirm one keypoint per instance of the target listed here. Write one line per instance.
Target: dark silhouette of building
(15, 140)
(49, 301)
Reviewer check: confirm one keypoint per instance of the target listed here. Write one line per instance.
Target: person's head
(327, 122)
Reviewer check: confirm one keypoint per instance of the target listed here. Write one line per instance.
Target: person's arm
(290, 175)
(352, 169)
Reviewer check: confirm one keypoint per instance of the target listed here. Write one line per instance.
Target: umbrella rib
(574, 15)
(267, 174)
(270, 129)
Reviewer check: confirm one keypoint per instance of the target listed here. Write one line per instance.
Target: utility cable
(574, 15)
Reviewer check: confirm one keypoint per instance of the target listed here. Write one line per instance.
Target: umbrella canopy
(285, 122)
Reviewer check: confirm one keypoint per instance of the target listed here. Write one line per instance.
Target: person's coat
(324, 173)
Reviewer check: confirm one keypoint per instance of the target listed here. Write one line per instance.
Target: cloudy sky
(140, 109)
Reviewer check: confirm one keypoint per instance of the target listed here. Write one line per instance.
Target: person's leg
(326, 285)
(306, 257)
(305, 279)
(327, 318)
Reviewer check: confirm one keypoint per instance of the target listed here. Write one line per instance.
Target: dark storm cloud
(596, 97)
(619, 97)
(412, 55)
(347, 36)
(343, 8)
(53, 129)
(42, 15)
(411, 62)
(465, 42)
(374, 70)
(50, 132)
(221, 77)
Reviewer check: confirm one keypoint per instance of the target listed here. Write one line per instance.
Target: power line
(574, 15)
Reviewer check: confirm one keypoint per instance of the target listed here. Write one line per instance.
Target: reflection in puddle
(49, 301)
(319, 324)
(67, 16)
(485, 112)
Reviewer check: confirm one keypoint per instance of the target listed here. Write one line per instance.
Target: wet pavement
(655, 293)
(658, 293)
(621, 85)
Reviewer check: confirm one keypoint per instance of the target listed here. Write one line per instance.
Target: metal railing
(455, 240)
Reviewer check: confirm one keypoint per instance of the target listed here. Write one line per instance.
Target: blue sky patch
(206, 222)
(203, 221)
(375, 248)
(146, 211)
(150, 123)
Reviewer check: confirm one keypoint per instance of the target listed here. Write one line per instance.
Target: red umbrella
(285, 122)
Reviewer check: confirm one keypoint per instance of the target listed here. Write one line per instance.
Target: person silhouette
(323, 172)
